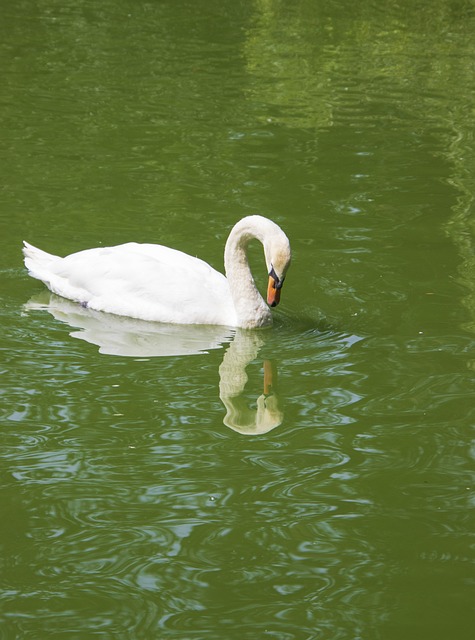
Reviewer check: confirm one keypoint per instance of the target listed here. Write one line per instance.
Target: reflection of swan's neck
(232, 370)
(232, 373)
(250, 307)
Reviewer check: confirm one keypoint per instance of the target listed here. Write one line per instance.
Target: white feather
(153, 282)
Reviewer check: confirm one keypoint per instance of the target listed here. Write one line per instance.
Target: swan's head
(277, 254)
(278, 258)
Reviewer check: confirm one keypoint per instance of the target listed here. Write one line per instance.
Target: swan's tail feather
(39, 263)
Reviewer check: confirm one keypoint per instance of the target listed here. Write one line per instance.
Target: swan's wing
(145, 281)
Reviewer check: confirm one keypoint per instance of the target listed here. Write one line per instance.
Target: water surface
(155, 483)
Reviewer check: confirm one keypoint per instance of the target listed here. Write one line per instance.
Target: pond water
(313, 480)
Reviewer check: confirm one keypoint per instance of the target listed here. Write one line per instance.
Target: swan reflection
(232, 379)
(121, 336)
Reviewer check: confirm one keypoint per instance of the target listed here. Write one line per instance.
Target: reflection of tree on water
(461, 225)
(121, 336)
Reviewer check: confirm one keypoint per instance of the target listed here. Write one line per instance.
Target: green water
(156, 496)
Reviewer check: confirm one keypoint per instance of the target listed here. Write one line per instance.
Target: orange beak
(273, 294)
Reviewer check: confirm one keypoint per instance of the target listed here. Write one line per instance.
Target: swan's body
(156, 283)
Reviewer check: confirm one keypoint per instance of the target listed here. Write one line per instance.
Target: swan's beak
(273, 292)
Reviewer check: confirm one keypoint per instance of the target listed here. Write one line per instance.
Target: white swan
(156, 283)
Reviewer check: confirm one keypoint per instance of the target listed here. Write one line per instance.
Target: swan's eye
(277, 282)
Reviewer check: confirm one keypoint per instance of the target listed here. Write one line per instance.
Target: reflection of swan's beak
(273, 293)
(270, 375)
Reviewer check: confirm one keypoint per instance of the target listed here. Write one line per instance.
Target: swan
(156, 283)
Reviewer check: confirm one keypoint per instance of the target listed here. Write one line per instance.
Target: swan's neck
(251, 310)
